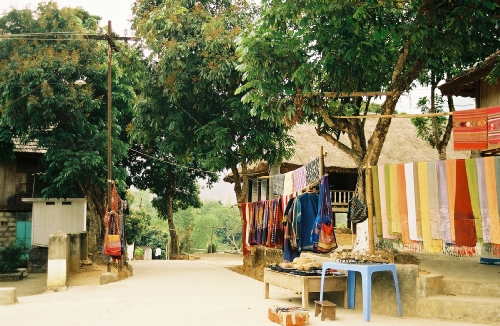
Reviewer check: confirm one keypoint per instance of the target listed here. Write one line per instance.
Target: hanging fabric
(483, 199)
(312, 171)
(493, 125)
(489, 166)
(278, 182)
(444, 212)
(376, 199)
(465, 232)
(323, 232)
(430, 245)
(112, 243)
(451, 179)
(470, 129)
(471, 170)
(299, 178)
(288, 184)
(433, 190)
(411, 202)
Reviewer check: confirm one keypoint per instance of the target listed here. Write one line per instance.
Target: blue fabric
(307, 212)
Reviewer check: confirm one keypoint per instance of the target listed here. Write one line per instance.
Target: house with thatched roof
(401, 146)
(472, 83)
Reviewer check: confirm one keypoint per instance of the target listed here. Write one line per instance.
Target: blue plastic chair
(366, 271)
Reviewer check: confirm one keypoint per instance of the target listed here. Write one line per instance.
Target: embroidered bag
(326, 240)
(112, 241)
(357, 210)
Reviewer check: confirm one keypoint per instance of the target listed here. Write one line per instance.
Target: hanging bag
(357, 212)
(112, 242)
(323, 226)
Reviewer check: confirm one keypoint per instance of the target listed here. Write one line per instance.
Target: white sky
(118, 11)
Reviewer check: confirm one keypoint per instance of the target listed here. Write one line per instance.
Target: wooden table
(304, 284)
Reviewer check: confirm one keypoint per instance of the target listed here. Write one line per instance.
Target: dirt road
(200, 292)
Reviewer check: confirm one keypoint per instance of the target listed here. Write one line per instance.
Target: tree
(299, 51)
(188, 100)
(42, 52)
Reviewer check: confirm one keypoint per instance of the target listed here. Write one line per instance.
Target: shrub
(138, 254)
(214, 248)
(12, 257)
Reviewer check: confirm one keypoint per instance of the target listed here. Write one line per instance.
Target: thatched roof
(465, 83)
(401, 146)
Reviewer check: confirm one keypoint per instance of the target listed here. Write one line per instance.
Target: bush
(12, 257)
(214, 248)
(138, 254)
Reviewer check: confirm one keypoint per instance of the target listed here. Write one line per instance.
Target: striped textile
(388, 198)
(451, 179)
(470, 129)
(444, 212)
(395, 217)
(433, 200)
(410, 202)
(493, 125)
(497, 175)
(403, 206)
(299, 179)
(383, 202)
(430, 245)
(483, 199)
(376, 200)
(470, 166)
(491, 193)
(465, 232)
(312, 171)
(418, 206)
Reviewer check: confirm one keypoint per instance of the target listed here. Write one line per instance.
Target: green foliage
(12, 257)
(138, 253)
(297, 50)
(425, 129)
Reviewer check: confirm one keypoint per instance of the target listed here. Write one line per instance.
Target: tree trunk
(174, 239)
(241, 191)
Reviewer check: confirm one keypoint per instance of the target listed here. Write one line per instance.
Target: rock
(108, 278)
(8, 296)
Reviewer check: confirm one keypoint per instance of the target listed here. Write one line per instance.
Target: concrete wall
(7, 227)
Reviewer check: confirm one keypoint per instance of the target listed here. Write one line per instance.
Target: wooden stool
(326, 308)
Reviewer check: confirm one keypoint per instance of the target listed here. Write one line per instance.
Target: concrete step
(470, 288)
(464, 308)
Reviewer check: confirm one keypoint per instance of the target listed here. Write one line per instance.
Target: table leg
(351, 288)
(323, 272)
(305, 292)
(367, 294)
(395, 276)
(266, 290)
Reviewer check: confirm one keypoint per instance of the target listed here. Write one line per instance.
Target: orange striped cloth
(491, 193)
(470, 129)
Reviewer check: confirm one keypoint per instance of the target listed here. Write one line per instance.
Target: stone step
(461, 307)
(471, 288)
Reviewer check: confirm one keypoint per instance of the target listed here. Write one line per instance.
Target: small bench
(325, 308)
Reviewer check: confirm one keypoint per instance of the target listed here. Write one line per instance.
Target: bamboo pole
(392, 116)
(369, 204)
(321, 162)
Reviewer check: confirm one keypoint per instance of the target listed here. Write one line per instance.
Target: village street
(200, 292)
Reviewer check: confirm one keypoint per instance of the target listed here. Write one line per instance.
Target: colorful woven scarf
(470, 129)
(383, 202)
(388, 198)
(465, 232)
(444, 212)
(471, 170)
(395, 217)
(433, 200)
(493, 125)
(376, 200)
(403, 208)
(410, 202)
(491, 190)
(451, 179)
(483, 199)
(430, 245)
(418, 199)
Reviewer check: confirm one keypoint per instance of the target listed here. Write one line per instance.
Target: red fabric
(470, 129)
(493, 125)
(465, 231)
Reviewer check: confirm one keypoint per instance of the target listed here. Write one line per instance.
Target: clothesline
(390, 116)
